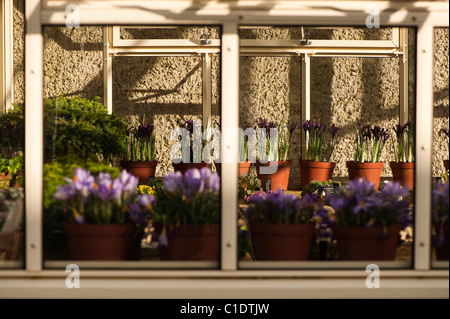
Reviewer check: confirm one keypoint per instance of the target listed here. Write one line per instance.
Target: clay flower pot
(143, 170)
(367, 170)
(442, 249)
(278, 179)
(360, 243)
(184, 167)
(243, 167)
(403, 172)
(192, 242)
(97, 242)
(446, 163)
(281, 241)
(315, 171)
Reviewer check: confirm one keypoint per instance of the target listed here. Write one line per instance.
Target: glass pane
(115, 173)
(440, 192)
(314, 33)
(346, 94)
(172, 32)
(12, 134)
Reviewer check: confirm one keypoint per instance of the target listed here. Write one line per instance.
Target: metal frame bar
(6, 55)
(34, 136)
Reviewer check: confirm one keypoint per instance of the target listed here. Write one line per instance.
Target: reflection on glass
(11, 187)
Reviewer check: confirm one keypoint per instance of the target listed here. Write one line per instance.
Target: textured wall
(344, 90)
(19, 44)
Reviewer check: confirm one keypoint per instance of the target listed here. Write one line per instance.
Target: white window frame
(420, 282)
(6, 55)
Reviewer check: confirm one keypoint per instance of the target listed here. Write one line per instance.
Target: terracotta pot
(442, 250)
(278, 179)
(360, 243)
(315, 171)
(97, 242)
(141, 169)
(12, 246)
(192, 242)
(281, 241)
(446, 164)
(243, 167)
(370, 171)
(184, 167)
(403, 172)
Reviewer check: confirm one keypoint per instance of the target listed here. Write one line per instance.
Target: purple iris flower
(399, 129)
(145, 130)
(291, 127)
(333, 130)
(307, 125)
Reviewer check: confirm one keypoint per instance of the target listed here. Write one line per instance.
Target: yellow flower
(145, 189)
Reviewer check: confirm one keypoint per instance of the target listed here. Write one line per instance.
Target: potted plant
(192, 144)
(274, 172)
(82, 128)
(403, 166)
(12, 168)
(282, 226)
(100, 213)
(11, 147)
(186, 215)
(366, 222)
(11, 224)
(141, 153)
(446, 133)
(316, 166)
(440, 212)
(243, 164)
(367, 163)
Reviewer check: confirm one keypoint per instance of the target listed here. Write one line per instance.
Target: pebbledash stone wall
(344, 91)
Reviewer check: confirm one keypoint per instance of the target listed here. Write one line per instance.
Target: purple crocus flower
(65, 192)
(173, 183)
(146, 200)
(193, 181)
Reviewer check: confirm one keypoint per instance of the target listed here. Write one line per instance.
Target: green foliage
(321, 188)
(14, 166)
(12, 131)
(248, 184)
(82, 127)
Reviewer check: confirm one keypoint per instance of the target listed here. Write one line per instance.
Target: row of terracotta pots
(276, 242)
(402, 172)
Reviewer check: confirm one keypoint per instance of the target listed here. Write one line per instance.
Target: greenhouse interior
(224, 149)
